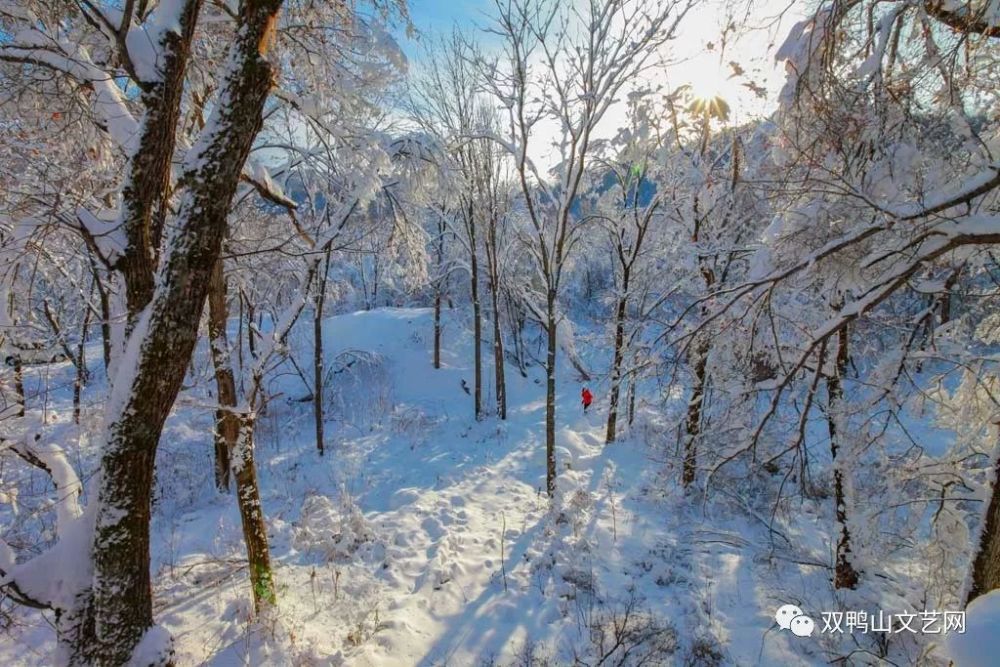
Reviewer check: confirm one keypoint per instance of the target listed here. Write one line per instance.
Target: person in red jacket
(587, 397)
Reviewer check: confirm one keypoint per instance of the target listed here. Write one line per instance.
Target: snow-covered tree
(565, 67)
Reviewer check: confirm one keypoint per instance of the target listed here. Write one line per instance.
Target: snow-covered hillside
(424, 537)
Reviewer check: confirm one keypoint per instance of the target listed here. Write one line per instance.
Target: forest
(502, 333)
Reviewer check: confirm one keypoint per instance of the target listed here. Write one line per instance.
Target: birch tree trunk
(845, 576)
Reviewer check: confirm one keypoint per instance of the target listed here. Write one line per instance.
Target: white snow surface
(979, 645)
(423, 537)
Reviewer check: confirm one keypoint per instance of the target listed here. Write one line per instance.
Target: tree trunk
(104, 300)
(318, 354)
(437, 329)
(516, 331)
(81, 366)
(631, 400)
(699, 360)
(251, 333)
(616, 364)
(493, 266)
(145, 192)
(227, 422)
(477, 316)
(252, 518)
(498, 358)
(18, 367)
(699, 357)
(239, 339)
(119, 610)
(550, 395)
(19, 384)
(986, 560)
(440, 284)
(845, 576)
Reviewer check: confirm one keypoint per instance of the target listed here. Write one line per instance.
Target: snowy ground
(423, 537)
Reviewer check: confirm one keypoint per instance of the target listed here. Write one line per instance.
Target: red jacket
(587, 396)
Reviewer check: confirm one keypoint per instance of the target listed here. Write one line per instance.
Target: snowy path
(446, 559)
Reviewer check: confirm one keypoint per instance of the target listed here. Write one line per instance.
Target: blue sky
(441, 14)
(695, 48)
(437, 17)
(694, 55)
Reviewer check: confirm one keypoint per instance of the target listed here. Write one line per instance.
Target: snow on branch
(51, 459)
(32, 46)
(49, 580)
(976, 186)
(144, 44)
(105, 235)
(980, 18)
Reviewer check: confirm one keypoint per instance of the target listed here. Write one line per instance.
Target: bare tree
(565, 66)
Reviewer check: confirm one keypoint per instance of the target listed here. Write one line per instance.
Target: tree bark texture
(845, 576)
(118, 610)
(227, 422)
(252, 518)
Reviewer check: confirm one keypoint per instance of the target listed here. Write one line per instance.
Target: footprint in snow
(433, 528)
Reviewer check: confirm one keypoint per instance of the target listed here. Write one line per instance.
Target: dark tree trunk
(694, 411)
(493, 266)
(105, 302)
(252, 519)
(19, 384)
(699, 363)
(617, 360)
(631, 400)
(986, 560)
(845, 576)
(251, 331)
(227, 422)
(498, 354)
(437, 330)
(440, 285)
(239, 339)
(477, 316)
(81, 366)
(145, 193)
(118, 612)
(699, 357)
(318, 353)
(18, 367)
(550, 394)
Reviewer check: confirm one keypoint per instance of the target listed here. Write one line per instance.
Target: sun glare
(707, 85)
(711, 92)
